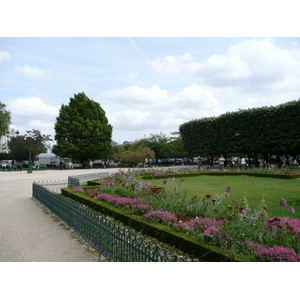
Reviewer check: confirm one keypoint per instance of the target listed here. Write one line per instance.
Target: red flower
(264, 208)
(229, 207)
(230, 217)
(241, 208)
(207, 196)
(213, 200)
(279, 226)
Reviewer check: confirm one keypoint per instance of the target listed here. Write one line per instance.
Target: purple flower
(277, 253)
(141, 208)
(211, 234)
(160, 216)
(282, 202)
(228, 190)
(181, 179)
(291, 209)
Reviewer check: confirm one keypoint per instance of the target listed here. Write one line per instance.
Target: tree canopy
(272, 129)
(19, 146)
(160, 144)
(5, 119)
(132, 154)
(82, 130)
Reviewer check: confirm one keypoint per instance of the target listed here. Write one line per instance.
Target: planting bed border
(204, 252)
(163, 232)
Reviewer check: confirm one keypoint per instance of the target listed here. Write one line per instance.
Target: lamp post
(28, 139)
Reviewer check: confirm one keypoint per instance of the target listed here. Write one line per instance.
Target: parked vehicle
(48, 159)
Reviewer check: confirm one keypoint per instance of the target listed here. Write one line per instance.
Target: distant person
(199, 162)
(232, 162)
(208, 162)
(221, 162)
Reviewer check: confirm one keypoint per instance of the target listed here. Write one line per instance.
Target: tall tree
(19, 146)
(160, 144)
(5, 118)
(82, 130)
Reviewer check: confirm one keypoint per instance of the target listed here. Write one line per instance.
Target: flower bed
(214, 224)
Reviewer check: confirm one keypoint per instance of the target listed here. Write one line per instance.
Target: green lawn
(271, 189)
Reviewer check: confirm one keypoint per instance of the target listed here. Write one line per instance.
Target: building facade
(4, 139)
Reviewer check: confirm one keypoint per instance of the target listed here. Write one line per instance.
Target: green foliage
(5, 118)
(19, 147)
(132, 154)
(82, 130)
(266, 129)
(160, 144)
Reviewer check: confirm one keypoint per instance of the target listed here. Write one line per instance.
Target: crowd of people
(244, 163)
(11, 165)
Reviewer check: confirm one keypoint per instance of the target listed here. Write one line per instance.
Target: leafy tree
(134, 154)
(19, 146)
(81, 130)
(5, 119)
(160, 144)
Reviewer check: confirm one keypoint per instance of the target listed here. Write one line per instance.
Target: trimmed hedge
(218, 173)
(161, 232)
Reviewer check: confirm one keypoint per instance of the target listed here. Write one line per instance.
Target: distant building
(127, 143)
(4, 139)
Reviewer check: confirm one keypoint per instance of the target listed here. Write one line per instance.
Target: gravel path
(27, 232)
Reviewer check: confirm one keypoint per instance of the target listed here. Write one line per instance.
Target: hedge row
(164, 233)
(218, 173)
(273, 129)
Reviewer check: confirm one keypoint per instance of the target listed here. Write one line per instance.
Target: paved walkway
(27, 233)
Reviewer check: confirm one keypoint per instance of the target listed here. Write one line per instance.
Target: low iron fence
(115, 243)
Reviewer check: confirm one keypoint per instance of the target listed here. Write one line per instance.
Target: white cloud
(32, 113)
(250, 66)
(32, 72)
(155, 110)
(171, 64)
(4, 56)
(136, 96)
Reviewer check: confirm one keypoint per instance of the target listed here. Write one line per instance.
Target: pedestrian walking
(221, 162)
(199, 162)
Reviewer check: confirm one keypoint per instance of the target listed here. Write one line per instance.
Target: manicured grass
(272, 190)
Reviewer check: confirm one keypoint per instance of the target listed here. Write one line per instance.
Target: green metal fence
(115, 243)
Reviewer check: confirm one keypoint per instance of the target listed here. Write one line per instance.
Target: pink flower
(282, 202)
(160, 216)
(228, 190)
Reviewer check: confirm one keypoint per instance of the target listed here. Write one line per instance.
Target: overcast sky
(145, 84)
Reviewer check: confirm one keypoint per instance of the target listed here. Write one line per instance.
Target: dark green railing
(108, 238)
